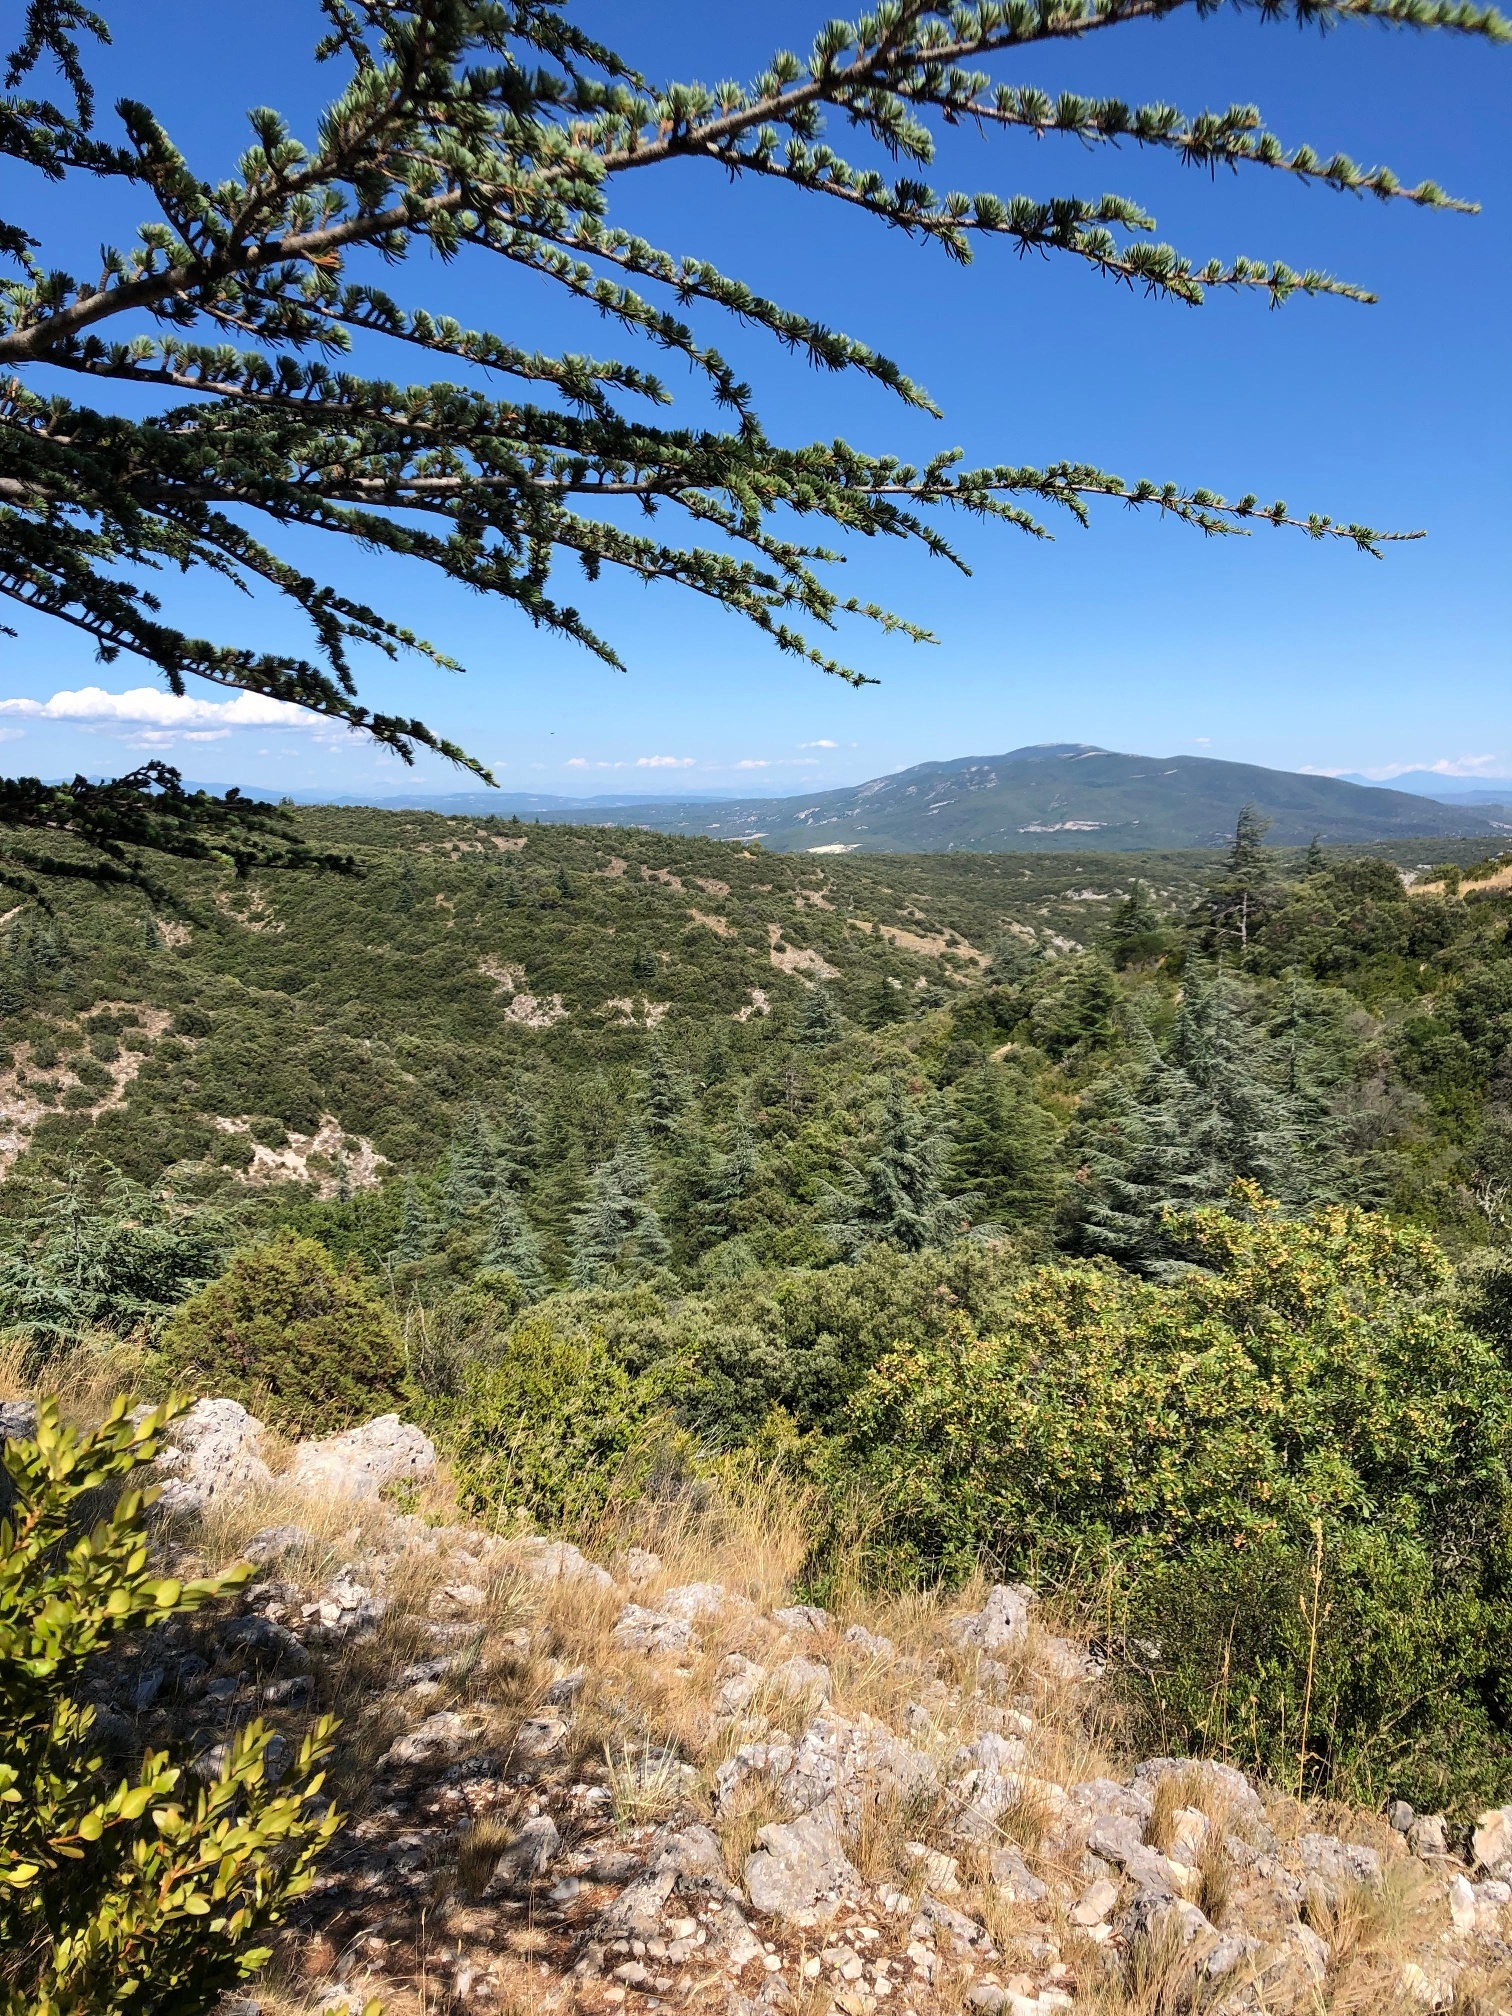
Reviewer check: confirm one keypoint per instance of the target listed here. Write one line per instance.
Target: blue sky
(1135, 634)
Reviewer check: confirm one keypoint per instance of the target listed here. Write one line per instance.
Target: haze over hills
(1449, 790)
(1054, 797)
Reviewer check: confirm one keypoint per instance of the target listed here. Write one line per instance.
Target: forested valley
(1132, 1223)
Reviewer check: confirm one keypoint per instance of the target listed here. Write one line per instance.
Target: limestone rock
(530, 1852)
(346, 1609)
(1461, 1905)
(18, 1420)
(1229, 1786)
(1095, 1902)
(359, 1463)
(209, 1453)
(737, 1683)
(807, 1618)
(1491, 1843)
(1003, 1620)
(559, 1561)
(797, 1678)
(1331, 1863)
(695, 1600)
(637, 1629)
(1012, 1875)
(798, 1864)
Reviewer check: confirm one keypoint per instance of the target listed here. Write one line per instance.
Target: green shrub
(135, 1893)
(554, 1426)
(285, 1331)
(1195, 1453)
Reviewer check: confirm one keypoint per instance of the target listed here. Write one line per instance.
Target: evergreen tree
(519, 117)
(664, 1091)
(818, 1022)
(884, 1003)
(644, 966)
(1135, 930)
(1316, 861)
(416, 1229)
(897, 1196)
(1013, 959)
(1003, 1146)
(616, 1234)
(729, 1178)
(513, 1244)
(470, 1173)
(1237, 901)
(404, 901)
(1210, 1112)
(517, 1142)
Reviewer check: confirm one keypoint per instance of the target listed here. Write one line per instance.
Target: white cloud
(664, 762)
(12, 734)
(753, 763)
(582, 763)
(1202, 741)
(150, 707)
(823, 743)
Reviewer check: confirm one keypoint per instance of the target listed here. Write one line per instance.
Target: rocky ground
(652, 1777)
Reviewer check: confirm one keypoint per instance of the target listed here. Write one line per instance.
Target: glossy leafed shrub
(1283, 1481)
(143, 1890)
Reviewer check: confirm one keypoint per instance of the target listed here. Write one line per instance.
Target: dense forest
(1131, 1222)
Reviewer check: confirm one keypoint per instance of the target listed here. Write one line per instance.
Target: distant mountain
(1054, 797)
(1062, 796)
(1448, 790)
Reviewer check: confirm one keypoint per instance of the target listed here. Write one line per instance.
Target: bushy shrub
(1287, 1477)
(553, 1425)
(288, 1333)
(141, 1892)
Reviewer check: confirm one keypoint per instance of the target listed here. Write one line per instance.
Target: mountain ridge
(1045, 797)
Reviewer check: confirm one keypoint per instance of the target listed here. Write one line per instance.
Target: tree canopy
(251, 308)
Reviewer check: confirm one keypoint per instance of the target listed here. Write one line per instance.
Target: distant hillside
(1060, 797)
(1057, 797)
(1448, 790)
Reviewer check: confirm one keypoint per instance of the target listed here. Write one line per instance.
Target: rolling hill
(1053, 798)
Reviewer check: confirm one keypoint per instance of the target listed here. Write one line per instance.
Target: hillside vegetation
(1136, 1232)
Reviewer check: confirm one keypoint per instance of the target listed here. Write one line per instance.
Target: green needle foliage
(146, 1893)
(250, 307)
(303, 1342)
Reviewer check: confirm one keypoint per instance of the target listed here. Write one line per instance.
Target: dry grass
(753, 1807)
(85, 1376)
(645, 1785)
(886, 1820)
(480, 1849)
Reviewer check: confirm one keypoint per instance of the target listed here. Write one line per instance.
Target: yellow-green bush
(1196, 1454)
(551, 1424)
(142, 1892)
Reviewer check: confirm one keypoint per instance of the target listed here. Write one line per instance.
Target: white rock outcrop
(359, 1463)
(210, 1452)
